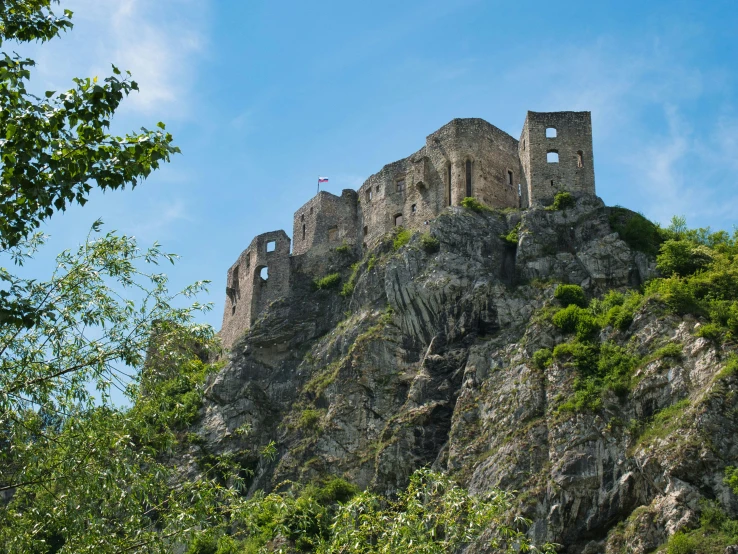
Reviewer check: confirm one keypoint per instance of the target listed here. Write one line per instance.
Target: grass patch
(350, 285)
(309, 419)
(330, 281)
(542, 358)
(664, 422)
(730, 369)
(711, 332)
(345, 248)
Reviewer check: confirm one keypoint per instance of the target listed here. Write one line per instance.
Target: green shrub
(682, 257)
(328, 282)
(570, 294)
(430, 243)
(562, 201)
(542, 358)
(345, 248)
(512, 237)
(348, 286)
(711, 332)
(636, 231)
(475, 205)
(730, 369)
(677, 293)
(671, 350)
(402, 237)
(574, 319)
(680, 543)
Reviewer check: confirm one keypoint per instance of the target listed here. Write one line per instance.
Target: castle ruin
(464, 158)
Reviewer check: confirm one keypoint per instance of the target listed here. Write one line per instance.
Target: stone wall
(248, 292)
(465, 157)
(574, 170)
(325, 221)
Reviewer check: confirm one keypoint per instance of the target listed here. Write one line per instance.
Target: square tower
(556, 155)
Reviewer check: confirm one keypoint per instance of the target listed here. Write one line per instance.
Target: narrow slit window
(552, 157)
(468, 178)
(414, 208)
(580, 158)
(509, 177)
(366, 230)
(271, 246)
(369, 195)
(550, 132)
(303, 231)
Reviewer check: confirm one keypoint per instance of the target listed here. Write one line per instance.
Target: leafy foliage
(562, 201)
(330, 281)
(471, 203)
(542, 358)
(512, 237)
(637, 231)
(430, 243)
(570, 294)
(401, 237)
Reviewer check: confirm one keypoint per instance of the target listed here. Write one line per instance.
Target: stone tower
(556, 155)
(260, 275)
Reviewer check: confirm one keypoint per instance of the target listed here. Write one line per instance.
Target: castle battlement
(464, 158)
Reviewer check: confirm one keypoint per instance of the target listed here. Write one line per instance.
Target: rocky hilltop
(444, 349)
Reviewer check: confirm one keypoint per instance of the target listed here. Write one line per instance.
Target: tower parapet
(556, 155)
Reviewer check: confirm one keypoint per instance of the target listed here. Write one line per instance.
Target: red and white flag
(322, 180)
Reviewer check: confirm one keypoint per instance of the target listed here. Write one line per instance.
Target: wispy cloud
(159, 42)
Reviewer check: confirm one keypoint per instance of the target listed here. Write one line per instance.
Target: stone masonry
(464, 158)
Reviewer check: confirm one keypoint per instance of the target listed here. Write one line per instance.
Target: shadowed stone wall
(325, 221)
(574, 170)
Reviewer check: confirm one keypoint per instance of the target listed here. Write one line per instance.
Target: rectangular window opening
(271, 246)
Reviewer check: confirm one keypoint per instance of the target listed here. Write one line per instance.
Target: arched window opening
(398, 220)
(333, 234)
(550, 132)
(369, 195)
(552, 157)
(311, 210)
(264, 273)
(414, 208)
(271, 246)
(303, 231)
(468, 178)
(449, 184)
(580, 158)
(366, 230)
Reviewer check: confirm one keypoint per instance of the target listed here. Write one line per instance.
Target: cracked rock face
(428, 362)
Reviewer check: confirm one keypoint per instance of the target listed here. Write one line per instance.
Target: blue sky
(263, 97)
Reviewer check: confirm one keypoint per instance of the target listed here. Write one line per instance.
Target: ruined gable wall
(573, 136)
(247, 293)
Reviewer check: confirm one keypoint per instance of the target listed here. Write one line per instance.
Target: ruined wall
(325, 221)
(247, 291)
(574, 170)
(414, 190)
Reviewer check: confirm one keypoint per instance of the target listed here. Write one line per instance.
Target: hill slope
(612, 417)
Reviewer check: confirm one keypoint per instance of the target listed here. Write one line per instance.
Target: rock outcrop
(427, 360)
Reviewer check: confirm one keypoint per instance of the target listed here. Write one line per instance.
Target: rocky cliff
(441, 352)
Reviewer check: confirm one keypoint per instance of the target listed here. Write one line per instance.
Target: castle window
(414, 208)
(333, 234)
(509, 177)
(264, 273)
(580, 158)
(468, 178)
(400, 185)
(311, 210)
(303, 231)
(376, 189)
(271, 246)
(552, 157)
(398, 220)
(369, 194)
(550, 132)
(302, 217)
(234, 278)
(366, 230)
(523, 144)
(449, 184)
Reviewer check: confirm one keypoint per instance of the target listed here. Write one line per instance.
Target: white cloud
(159, 42)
